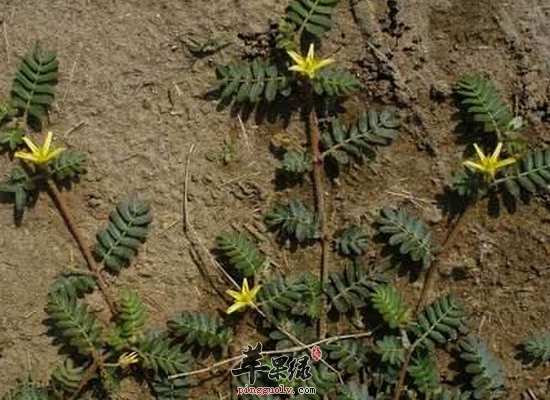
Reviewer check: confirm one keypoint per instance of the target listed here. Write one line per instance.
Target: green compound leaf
(75, 284)
(529, 174)
(69, 166)
(33, 89)
(487, 379)
(252, 82)
(7, 111)
(350, 290)
(66, 377)
(351, 355)
(424, 374)
(442, 320)
(322, 380)
(388, 302)
(131, 319)
(295, 162)
(20, 187)
(127, 229)
(408, 234)
(27, 390)
(201, 329)
(161, 356)
(457, 395)
(312, 297)
(467, 183)
(354, 391)
(281, 294)
(242, 253)
(11, 139)
(335, 83)
(371, 129)
(482, 100)
(170, 389)
(294, 220)
(391, 350)
(353, 241)
(306, 333)
(74, 323)
(313, 16)
(285, 38)
(538, 347)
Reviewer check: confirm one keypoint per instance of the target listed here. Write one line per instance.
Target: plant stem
(63, 208)
(447, 244)
(314, 141)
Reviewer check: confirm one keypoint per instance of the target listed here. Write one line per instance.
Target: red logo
(316, 353)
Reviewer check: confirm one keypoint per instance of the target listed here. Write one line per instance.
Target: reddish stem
(63, 208)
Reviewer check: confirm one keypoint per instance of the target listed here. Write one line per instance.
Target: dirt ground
(137, 96)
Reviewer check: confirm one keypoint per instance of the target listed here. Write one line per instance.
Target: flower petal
(54, 154)
(324, 63)
(235, 307)
(245, 288)
(505, 163)
(26, 156)
(479, 153)
(233, 294)
(497, 151)
(255, 291)
(311, 52)
(31, 145)
(298, 59)
(473, 165)
(298, 68)
(47, 143)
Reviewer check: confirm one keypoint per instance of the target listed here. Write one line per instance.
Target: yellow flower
(39, 155)
(308, 65)
(127, 359)
(489, 165)
(244, 298)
